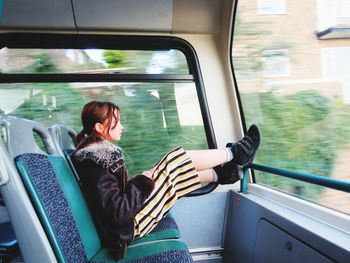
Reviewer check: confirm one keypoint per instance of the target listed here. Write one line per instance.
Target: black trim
(74, 16)
(204, 190)
(117, 77)
(84, 41)
(128, 42)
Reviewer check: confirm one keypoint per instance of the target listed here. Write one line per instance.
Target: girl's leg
(181, 172)
(206, 159)
(174, 176)
(206, 176)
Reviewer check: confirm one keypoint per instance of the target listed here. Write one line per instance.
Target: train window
(157, 114)
(92, 61)
(292, 75)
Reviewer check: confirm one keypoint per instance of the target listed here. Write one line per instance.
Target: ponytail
(80, 136)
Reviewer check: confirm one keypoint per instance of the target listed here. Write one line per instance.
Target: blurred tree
(114, 58)
(55, 103)
(246, 52)
(44, 63)
(299, 135)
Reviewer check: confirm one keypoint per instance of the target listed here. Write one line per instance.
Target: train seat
(62, 209)
(64, 138)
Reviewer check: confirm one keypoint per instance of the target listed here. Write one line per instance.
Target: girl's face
(116, 130)
(112, 133)
(115, 133)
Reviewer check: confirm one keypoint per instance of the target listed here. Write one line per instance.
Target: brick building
(293, 46)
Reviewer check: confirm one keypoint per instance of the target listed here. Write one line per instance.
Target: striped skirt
(174, 176)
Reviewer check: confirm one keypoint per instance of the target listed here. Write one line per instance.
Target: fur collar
(102, 153)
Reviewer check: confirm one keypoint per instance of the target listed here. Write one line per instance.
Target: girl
(127, 208)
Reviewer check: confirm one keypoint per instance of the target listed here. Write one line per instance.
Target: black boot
(245, 149)
(227, 173)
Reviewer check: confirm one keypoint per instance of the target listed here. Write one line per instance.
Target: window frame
(114, 42)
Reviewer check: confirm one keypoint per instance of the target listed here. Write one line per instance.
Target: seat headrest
(19, 137)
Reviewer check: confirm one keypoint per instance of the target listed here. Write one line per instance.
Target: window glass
(330, 198)
(92, 61)
(297, 88)
(156, 116)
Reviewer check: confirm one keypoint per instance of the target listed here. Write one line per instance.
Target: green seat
(166, 229)
(64, 137)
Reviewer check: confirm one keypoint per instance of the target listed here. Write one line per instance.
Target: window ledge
(332, 218)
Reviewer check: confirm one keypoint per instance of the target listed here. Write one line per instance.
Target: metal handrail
(300, 176)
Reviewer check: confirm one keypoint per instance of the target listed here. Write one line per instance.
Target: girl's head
(100, 120)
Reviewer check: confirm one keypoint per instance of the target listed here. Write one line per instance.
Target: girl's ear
(99, 128)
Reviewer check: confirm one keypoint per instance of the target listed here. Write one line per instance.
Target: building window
(342, 13)
(271, 7)
(275, 63)
(335, 64)
(333, 13)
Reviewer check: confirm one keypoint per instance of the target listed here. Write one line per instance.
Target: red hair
(97, 112)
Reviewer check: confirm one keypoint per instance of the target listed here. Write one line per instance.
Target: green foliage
(43, 63)
(138, 60)
(179, 63)
(301, 132)
(250, 39)
(41, 107)
(114, 58)
(246, 54)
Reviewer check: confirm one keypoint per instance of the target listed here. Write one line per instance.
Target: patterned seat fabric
(152, 252)
(45, 191)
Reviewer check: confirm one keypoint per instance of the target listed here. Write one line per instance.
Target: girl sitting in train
(126, 208)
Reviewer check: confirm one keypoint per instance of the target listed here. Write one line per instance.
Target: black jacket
(114, 199)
